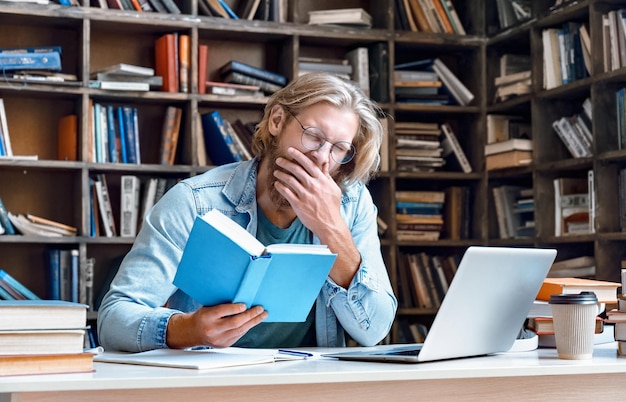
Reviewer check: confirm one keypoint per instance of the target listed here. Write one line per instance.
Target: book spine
(166, 60)
(67, 138)
(34, 49)
(203, 60)
(30, 61)
(167, 133)
(456, 148)
(129, 204)
(54, 272)
(171, 6)
(129, 137)
(184, 62)
(122, 135)
(262, 74)
(104, 203)
(74, 272)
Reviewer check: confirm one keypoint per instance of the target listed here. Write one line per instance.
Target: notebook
(482, 312)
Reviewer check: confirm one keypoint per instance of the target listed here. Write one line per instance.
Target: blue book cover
(111, 134)
(283, 278)
(33, 49)
(4, 295)
(220, 145)
(123, 134)
(129, 137)
(15, 284)
(54, 274)
(30, 61)
(74, 268)
(256, 72)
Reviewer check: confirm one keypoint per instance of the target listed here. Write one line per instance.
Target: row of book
(513, 12)
(429, 215)
(575, 131)
(424, 279)
(514, 208)
(514, 78)
(436, 16)
(566, 54)
(426, 146)
(115, 134)
(614, 39)
(429, 81)
(135, 200)
(226, 142)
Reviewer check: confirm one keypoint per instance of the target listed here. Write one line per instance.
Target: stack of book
(515, 219)
(509, 142)
(240, 73)
(416, 86)
(540, 315)
(419, 214)
(339, 67)
(418, 146)
(351, 17)
(563, 55)
(575, 132)
(125, 77)
(32, 225)
(43, 337)
(515, 76)
(27, 60)
(617, 317)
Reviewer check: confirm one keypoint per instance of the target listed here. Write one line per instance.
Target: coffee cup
(574, 318)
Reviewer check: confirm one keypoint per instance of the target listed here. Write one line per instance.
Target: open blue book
(223, 263)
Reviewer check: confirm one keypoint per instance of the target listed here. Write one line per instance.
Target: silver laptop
(483, 310)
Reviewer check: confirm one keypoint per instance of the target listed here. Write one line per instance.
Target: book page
(235, 232)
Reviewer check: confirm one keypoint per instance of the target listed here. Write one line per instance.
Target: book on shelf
(234, 66)
(505, 197)
(29, 228)
(120, 85)
(170, 133)
(17, 290)
(248, 9)
(354, 17)
(505, 127)
(104, 203)
(238, 78)
(49, 222)
(125, 69)
(5, 222)
(57, 363)
(451, 145)
(129, 205)
(30, 61)
(220, 144)
(508, 159)
(154, 81)
(458, 90)
(184, 62)
(521, 76)
(520, 144)
(571, 199)
(606, 291)
(256, 275)
(359, 60)
(378, 54)
(6, 149)
(584, 266)
(203, 66)
(166, 61)
(233, 90)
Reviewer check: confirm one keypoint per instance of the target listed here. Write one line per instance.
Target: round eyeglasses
(314, 138)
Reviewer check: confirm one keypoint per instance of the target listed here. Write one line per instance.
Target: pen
(295, 353)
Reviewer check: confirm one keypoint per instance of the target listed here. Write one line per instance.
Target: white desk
(537, 375)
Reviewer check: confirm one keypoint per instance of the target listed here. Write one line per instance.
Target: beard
(276, 197)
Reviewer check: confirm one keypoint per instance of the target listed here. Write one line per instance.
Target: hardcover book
(221, 147)
(41, 314)
(30, 61)
(605, 291)
(256, 72)
(46, 364)
(283, 278)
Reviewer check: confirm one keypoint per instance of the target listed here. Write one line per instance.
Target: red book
(203, 61)
(166, 62)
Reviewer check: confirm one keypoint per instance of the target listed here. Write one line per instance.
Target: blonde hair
(313, 88)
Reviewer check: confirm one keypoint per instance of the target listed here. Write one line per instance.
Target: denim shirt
(135, 311)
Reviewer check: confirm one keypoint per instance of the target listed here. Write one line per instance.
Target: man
(315, 147)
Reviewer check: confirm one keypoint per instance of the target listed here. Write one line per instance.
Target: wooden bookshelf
(93, 38)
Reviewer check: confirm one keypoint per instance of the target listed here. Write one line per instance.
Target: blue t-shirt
(281, 334)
